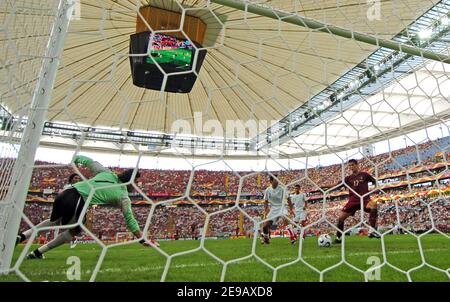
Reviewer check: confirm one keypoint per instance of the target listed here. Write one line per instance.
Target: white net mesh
(296, 87)
(24, 46)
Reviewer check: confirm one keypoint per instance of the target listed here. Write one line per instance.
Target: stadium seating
(186, 220)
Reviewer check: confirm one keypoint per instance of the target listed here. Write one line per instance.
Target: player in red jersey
(358, 182)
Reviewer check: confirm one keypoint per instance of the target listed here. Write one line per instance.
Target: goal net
(123, 236)
(209, 100)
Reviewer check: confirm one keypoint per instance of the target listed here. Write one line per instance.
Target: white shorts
(277, 213)
(300, 216)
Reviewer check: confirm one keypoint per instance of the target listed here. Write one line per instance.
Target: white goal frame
(23, 167)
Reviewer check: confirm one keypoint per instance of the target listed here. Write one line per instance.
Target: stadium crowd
(164, 183)
(187, 221)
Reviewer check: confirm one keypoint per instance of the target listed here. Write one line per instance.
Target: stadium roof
(384, 114)
(256, 69)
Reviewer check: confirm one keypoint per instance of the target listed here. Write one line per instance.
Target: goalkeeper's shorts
(67, 207)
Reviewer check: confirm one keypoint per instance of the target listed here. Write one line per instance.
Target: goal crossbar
(309, 23)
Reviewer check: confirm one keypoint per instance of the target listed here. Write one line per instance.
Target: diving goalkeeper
(69, 204)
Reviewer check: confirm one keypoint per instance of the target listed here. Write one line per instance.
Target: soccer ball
(324, 240)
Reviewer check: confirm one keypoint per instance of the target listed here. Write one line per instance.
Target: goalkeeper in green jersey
(69, 204)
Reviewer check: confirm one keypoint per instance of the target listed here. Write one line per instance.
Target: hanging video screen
(172, 54)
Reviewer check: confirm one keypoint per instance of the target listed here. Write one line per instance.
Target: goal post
(23, 166)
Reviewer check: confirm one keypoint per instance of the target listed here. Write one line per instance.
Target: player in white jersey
(275, 196)
(298, 201)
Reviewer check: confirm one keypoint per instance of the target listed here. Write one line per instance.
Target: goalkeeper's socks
(20, 238)
(374, 235)
(265, 239)
(37, 253)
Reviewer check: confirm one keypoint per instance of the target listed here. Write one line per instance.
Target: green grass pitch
(179, 57)
(136, 263)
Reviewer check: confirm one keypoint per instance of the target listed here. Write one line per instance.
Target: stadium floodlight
(353, 84)
(340, 95)
(425, 34)
(376, 67)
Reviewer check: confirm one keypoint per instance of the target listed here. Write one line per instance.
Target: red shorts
(351, 207)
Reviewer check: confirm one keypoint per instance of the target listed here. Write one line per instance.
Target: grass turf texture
(136, 263)
(179, 57)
